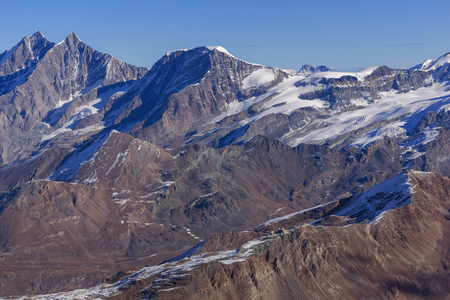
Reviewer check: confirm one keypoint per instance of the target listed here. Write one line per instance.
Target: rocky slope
(404, 255)
(401, 254)
(44, 83)
(133, 200)
(185, 89)
(107, 168)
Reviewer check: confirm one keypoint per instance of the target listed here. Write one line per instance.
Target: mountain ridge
(310, 260)
(24, 112)
(107, 167)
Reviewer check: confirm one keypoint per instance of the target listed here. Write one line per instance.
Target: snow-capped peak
(218, 48)
(205, 49)
(422, 66)
(179, 50)
(444, 59)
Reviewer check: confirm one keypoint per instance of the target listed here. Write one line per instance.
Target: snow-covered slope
(328, 107)
(399, 113)
(441, 61)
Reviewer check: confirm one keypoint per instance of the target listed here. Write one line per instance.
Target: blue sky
(343, 35)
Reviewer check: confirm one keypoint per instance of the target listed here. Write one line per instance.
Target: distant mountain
(306, 70)
(107, 167)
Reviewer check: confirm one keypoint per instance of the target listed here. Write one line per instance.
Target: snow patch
(179, 50)
(201, 197)
(218, 48)
(391, 130)
(79, 157)
(370, 205)
(120, 156)
(190, 233)
(275, 220)
(422, 66)
(259, 77)
(282, 98)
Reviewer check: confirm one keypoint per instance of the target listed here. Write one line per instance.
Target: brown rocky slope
(151, 205)
(404, 255)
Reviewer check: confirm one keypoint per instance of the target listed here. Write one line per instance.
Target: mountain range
(209, 177)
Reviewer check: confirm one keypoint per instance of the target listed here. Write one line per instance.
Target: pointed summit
(73, 36)
(34, 39)
(73, 39)
(25, 54)
(37, 35)
(71, 42)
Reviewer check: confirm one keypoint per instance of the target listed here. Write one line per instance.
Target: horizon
(347, 37)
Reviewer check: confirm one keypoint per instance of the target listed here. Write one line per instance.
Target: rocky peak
(306, 70)
(188, 87)
(379, 73)
(86, 66)
(25, 54)
(36, 36)
(180, 68)
(71, 42)
(51, 77)
(73, 38)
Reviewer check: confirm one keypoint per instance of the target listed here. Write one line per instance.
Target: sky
(343, 35)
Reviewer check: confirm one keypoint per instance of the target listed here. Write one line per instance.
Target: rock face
(306, 70)
(185, 89)
(25, 55)
(155, 202)
(48, 79)
(106, 168)
(331, 262)
(340, 91)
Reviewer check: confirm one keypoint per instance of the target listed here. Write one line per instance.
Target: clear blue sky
(285, 34)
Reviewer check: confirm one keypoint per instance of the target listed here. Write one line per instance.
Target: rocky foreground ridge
(316, 254)
(177, 182)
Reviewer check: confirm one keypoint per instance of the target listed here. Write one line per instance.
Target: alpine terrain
(209, 177)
